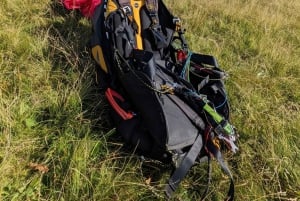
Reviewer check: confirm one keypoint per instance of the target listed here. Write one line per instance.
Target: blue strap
(186, 67)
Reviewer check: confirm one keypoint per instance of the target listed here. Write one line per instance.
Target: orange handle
(111, 95)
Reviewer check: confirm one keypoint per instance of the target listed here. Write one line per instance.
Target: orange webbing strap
(111, 96)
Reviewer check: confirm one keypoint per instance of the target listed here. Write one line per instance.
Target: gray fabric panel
(181, 132)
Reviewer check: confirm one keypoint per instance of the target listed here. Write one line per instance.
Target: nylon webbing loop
(230, 194)
(184, 167)
(208, 174)
(159, 37)
(125, 6)
(152, 7)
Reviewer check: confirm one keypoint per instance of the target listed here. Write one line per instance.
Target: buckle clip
(176, 21)
(126, 10)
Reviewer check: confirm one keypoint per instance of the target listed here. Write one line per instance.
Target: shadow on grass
(72, 67)
(69, 36)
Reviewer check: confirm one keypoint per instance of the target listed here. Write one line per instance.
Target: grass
(56, 142)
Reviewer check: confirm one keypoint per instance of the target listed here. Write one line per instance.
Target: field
(56, 142)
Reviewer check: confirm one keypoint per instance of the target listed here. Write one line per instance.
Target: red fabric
(86, 7)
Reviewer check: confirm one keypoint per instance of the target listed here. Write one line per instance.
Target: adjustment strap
(180, 31)
(208, 159)
(124, 3)
(186, 164)
(152, 7)
(159, 38)
(230, 194)
(125, 6)
(203, 83)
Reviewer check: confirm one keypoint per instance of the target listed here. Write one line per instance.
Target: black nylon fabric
(137, 136)
(167, 26)
(98, 37)
(146, 103)
(213, 86)
(98, 27)
(163, 124)
(166, 122)
(181, 130)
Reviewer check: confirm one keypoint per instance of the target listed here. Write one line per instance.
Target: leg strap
(230, 194)
(184, 167)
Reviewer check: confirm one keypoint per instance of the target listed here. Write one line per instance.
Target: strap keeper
(152, 14)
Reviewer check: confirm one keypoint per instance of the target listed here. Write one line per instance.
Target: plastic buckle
(176, 21)
(127, 10)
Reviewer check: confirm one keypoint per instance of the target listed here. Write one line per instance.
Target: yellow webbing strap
(110, 7)
(98, 56)
(136, 6)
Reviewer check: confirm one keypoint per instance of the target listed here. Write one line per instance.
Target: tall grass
(56, 142)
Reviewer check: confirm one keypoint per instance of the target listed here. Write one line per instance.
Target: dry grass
(53, 115)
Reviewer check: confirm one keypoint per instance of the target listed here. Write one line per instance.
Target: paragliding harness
(168, 102)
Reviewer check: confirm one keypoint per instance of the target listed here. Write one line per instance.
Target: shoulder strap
(155, 27)
(152, 7)
(132, 9)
